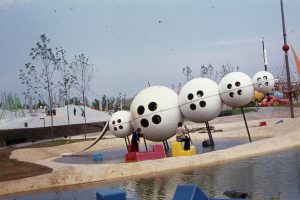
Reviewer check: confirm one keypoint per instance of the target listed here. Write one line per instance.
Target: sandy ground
(278, 136)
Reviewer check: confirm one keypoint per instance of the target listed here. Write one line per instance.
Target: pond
(274, 176)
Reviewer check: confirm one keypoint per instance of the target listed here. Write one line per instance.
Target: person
(82, 112)
(181, 136)
(74, 111)
(135, 139)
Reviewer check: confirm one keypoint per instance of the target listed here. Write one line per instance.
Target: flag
(297, 61)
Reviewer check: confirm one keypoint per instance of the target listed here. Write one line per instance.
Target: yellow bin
(177, 150)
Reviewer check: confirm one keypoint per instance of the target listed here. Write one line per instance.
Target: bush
(14, 139)
(225, 113)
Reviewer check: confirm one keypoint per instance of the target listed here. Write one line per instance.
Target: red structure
(272, 101)
(156, 153)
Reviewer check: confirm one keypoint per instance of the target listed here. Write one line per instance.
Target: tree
(207, 71)
(67, 79)
(104, 103)
(228, 68)
(187, 71)
(111, 103)
(83, 73)
(96, 104)
(39, 77)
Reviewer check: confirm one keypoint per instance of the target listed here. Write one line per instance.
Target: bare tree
(38, 78)
(83, 73)
(67, 79)
(187, 72)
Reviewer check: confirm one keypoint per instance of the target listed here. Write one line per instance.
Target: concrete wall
(11, 136)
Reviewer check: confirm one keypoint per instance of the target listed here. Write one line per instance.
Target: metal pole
(128, 139)
(126, 143)
(265, 55)
(285, 49)
(145, 144)
(242, 109)
(164, 145)
(209, 134)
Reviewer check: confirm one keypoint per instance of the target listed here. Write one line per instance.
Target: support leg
(126, 143)
(242, 109)
(145, 144)
(209, 135)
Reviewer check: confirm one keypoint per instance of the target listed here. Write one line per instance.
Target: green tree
(96, 104)
(39, 78)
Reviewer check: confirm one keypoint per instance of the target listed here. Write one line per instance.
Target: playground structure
(282, 84)
(158, 111)
(272, 101)
(11, 106)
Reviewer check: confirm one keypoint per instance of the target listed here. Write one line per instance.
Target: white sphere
(156, 111)
(119, 124)
(236, 89)
(199, 100)
(263, 82)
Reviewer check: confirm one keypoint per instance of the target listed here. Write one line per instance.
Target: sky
(132, 43)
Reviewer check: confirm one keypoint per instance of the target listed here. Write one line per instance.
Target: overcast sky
(133, 42)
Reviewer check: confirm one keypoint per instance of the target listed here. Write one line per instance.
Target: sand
(277, 137)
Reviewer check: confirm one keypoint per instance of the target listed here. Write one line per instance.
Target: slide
(103, 132)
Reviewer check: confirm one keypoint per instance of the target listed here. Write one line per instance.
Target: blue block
(97, 156)
(189, 192)
(111, 194)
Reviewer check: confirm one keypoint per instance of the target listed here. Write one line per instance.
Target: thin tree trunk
(84, 115)
(67, 99)
(51, 114)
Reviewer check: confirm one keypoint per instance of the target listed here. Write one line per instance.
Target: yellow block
(177, 150)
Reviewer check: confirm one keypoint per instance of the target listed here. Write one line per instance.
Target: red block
(262, 123)
(130, 150)
(156, 153)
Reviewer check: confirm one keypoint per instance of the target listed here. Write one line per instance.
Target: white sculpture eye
(263, 82)
(236, 89)
(156, 111)
(119, 124)
(199, 100)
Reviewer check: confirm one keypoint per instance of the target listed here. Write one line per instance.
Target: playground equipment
(258, 96)
(11, 105)
(272, 101)
(156, 153)
(177, 150)
(158, 110)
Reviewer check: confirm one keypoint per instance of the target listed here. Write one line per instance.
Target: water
(116, 155)
(270, 177)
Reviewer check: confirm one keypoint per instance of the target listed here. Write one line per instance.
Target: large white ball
(119, 124)
(156, 111)
(199, 100)
(236, 89)
(263, 82)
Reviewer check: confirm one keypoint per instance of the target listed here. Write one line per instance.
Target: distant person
(181, 136)
(74, 111)
(82, 112)
(135, 139)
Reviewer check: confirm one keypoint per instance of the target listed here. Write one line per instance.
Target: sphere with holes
(236, 89)
(263, 82)
(199, 100)
(119, 124)
(156, 111)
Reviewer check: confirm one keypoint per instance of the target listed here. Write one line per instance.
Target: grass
(11, 169)
(57, 143)
(235, 111)
(296, 105)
